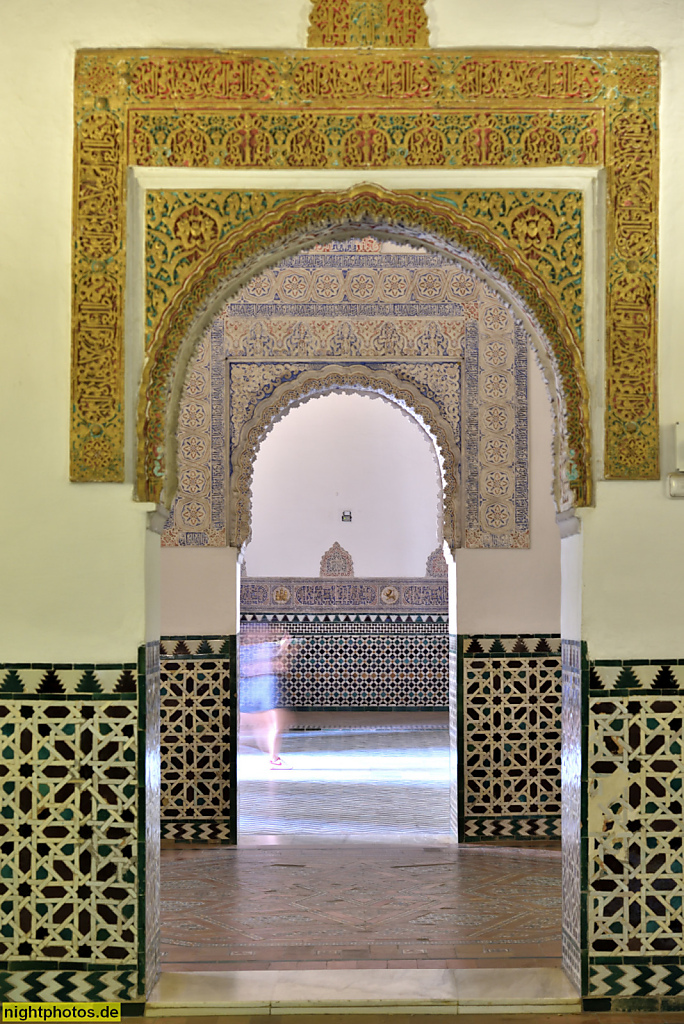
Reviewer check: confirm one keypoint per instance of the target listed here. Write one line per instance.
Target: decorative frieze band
(348, 596)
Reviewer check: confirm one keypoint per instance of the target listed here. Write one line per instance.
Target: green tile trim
(460, 735)
(70, 697)
(584, 812)
(81, 966)
(69, 666)
(67, 681)
(633, 1004)
(233, 738)
(142, 812)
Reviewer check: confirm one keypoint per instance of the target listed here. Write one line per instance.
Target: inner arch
(350, 379)
(345, 451)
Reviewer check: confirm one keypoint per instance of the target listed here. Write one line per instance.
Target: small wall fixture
(675, 481)
(346, 516)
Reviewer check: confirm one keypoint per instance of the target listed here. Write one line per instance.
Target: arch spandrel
(335, 377)
(436, 224)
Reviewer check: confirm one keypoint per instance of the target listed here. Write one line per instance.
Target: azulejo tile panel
(363, 300)
(73, 853)
(635, 826)
(634, 840)
(509, 724)
(362, 108)
(150, 880)
(354, 596)
(198, 740)
(367, 665)
(571, 813)
(197, 517)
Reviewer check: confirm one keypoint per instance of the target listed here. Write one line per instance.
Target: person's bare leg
(273, 734)
(258, 724)
(279, 723)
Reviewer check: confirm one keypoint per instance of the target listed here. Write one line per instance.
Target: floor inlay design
(359, 906)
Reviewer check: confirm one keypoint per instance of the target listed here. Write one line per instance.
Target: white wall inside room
(337, 452)
(518, 591)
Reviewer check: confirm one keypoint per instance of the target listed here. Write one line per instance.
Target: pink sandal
(279, 764)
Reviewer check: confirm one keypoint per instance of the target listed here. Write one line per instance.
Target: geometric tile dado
(571, 811)
(72, 884)
(635, 833)
(509, 737)
(635, 857)
(198, 741)
(69, 831)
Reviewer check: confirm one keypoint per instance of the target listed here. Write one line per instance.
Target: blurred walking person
(264, 661)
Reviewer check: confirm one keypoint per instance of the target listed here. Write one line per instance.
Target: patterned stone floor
(359, 906)
(346, 861)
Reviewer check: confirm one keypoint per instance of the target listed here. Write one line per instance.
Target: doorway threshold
(482, 990)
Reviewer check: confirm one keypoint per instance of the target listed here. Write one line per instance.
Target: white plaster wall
(199, 591)
(339, 452)
(72, 562)
(519, 591)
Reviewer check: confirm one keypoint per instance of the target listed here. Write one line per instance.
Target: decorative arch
(308, 218)
(314, 383)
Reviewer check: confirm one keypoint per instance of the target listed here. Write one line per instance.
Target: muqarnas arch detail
(227, 259)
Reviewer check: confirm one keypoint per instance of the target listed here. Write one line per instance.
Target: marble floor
(431, 991)
(345, 862)
(379, 777)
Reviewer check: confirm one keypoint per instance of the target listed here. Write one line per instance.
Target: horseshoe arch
(407, 217)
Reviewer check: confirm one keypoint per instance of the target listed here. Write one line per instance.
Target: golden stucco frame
(401, 106)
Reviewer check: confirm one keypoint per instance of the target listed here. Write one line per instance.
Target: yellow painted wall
(72, 563)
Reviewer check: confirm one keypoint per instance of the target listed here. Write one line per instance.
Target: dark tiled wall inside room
(363, 643)
(368, 666)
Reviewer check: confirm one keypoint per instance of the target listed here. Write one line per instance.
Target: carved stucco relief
(363, 108)
(365, 298)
